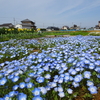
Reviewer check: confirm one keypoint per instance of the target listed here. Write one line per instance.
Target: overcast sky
(84, 13)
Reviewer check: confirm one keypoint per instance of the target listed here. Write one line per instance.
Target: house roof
(6, 24)
(53, 28)
(27, 20)
(65, 26)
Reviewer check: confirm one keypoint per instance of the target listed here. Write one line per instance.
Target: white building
(18, 26)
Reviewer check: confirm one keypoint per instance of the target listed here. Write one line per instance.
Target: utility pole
(14, 21)
(80, 25)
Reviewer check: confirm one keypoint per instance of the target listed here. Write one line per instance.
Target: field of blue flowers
(59, 68)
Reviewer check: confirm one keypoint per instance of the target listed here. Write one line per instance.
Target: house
(18, 26)
(75, 27)
(7, 25)
(97, 26)
(28, 24)
(65, 28)
(52, 28)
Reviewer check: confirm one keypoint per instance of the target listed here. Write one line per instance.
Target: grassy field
(67, 33)
(6, 37)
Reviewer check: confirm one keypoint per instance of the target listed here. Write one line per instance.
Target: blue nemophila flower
(36, 92)
(22, 85)
(37, 98)
(86, 61)
(31, 57)
(1, 99)
(97, 69)
(77, 69)
(70, 60)
(43, 90)
(71, 78)
(15, 87)
(27, 79)
(55, 79)
(63, 65)
(56, 76)
(70, 91)
(3, 81)
(48, 88)
(89, 83)
(97, 63)
(52, 84)
(40, 71)
(65, 68)
(40, 79)
(12, 94)
(60, 89)
(70, 70)
(10, 76)
(61, 94)
(78, 78)
(40, 60)
(22, 96)
(87, 74)
(75, 84)
(60, 80)
(93, 89)
(61, 71)
(62, 75)
(73, 72)
(47, 76)
(6, 97)
(98, 76)
(46, 68)
(31, 74)
(16, 93)
(2, 64)
(67, 77)
(29, 85)
(58, 66)
(91, 66)
(15, 79)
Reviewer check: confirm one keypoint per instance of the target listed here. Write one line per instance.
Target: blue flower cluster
(15, 48)
(58, 72)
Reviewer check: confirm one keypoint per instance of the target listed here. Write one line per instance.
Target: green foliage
(6, 37)
(84, 33)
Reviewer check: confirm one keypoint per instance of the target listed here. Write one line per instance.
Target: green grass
(84, 33)
(56, 33)
(67, 33)
(6, 37)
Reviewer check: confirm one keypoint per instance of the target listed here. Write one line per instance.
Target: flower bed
(64, 69)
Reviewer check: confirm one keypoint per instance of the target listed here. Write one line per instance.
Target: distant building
(97, 26)
(28, 24)
(99, 23)
(65, 28)
(52, 28)
(18, 26)
(7, 25)
(75, 27)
